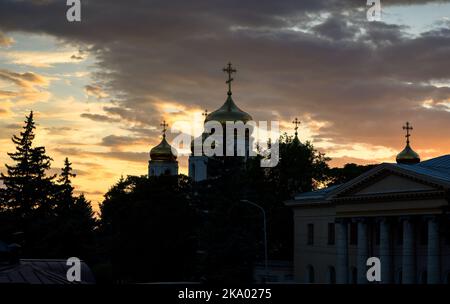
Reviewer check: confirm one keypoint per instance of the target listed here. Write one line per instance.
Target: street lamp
(265, 234)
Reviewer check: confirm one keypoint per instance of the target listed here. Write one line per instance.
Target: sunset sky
(101, 87)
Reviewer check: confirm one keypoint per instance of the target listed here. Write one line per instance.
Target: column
(362, 251)
(341, 251)
(408, 255)
(385, 251)
(433, 258)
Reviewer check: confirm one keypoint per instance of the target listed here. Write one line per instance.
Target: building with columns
(397, 212)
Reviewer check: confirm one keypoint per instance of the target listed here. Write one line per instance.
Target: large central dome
(229, 111)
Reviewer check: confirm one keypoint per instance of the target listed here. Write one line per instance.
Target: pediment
(392, 183)
(383, 181)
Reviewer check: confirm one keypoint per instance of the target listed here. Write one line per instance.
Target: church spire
(408, 155)
(229, 70)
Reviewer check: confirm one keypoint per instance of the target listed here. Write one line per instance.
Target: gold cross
(407, 127)
(164, 125)
(229, 70)
(296, 122)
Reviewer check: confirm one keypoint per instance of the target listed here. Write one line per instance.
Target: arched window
(423, 277)
(331, 275)
(310, 274)
(354, 276)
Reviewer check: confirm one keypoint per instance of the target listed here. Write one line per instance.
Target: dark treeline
(38, 210)
(160, 229)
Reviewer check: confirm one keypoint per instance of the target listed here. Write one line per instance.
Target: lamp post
(265, 234)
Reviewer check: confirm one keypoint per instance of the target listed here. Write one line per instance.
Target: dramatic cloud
(5, 41)
(353, 83)
(95, 91)
(24, 87)
(40, 59)
(99, 117)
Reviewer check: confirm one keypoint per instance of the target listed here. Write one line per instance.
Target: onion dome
(229, 111)
(163, 151)
(408, 155)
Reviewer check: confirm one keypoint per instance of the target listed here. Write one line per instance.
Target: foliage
(38, 211)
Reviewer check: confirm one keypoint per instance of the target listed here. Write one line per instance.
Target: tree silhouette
(27, 187)
(49, 219)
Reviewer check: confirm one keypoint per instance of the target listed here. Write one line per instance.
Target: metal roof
(436, 168)
(316, 194)
(42, 271)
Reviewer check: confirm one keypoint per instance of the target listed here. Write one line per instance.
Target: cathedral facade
(163, 159)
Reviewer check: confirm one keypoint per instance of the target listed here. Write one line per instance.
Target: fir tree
(74, 222)
(27, 187)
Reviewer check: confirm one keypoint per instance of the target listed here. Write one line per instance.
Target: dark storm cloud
(99, 117)
(120, 141)
(139, 157)
(342, 70)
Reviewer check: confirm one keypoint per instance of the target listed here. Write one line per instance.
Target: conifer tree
(27, 186)
(74, 223)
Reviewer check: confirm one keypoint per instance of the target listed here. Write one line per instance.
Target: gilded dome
(408, 156)
(229, 111)
(162, 152)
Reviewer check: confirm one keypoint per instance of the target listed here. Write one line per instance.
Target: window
(354, 276)
(331, 234)
(310, 274)
(353, 233)
(310, 234)
(331, 275)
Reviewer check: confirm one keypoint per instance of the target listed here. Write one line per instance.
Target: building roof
(42, 271)
(317, 194)
(437, 169)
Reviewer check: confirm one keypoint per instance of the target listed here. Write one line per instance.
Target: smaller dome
(408, 156)
(162, 152)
